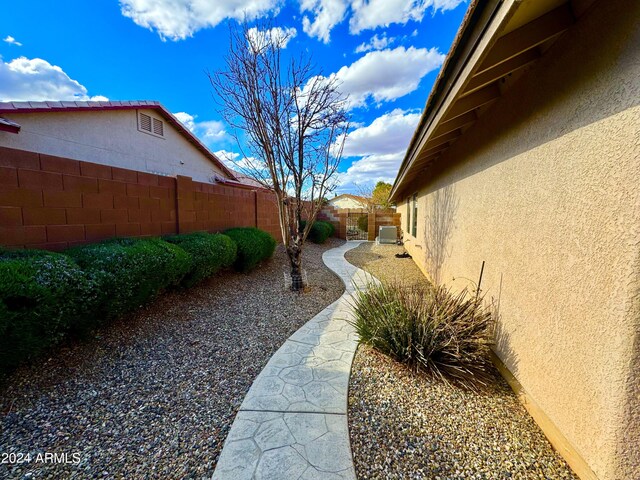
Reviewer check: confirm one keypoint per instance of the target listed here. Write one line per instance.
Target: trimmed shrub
(363, 223)
(332, 229)
(209, 253)
(254, 245)
(42, 296)
(430, 329)
(319, 231)
(129, 272)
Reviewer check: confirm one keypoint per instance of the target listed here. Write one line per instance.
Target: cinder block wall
(54, 203)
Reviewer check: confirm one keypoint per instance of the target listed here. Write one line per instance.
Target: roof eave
(478, 19)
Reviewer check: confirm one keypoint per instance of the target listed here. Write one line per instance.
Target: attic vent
(158, 127)
(145, 122)
(151, 125)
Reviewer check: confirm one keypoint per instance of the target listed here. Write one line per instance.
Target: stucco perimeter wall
(545, 188)
(346, 203)
(109, 138)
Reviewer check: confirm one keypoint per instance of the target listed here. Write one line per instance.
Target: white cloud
(277, 35)
(228, 158)
(381, 146)
(371, 14)
(375, 13)
(24, 79)
(209, 131)
(187, 120)
(444, 5)
(389, 133)
(179, 19)
(385, 75)
(327, 14)
(324, 15)
(11, 41)
(247, 169)
(369, 170)
(375, 43)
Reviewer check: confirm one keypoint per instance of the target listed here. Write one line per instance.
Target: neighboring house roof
(64, 106)
(8, 126)
(496, 39)
(245, 179)
(357, 198)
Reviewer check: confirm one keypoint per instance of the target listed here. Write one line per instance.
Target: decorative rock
(311, 438)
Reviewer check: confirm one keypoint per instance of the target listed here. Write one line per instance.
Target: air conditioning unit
(388, 234)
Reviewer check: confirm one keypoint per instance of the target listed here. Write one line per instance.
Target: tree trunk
(295, 260)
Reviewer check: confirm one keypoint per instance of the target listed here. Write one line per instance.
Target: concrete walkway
(293, 421)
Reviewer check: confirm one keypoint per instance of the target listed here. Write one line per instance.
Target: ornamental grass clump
(209, 254)
(430, 329)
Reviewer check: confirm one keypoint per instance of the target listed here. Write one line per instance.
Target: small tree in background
(365, 192)
(376, 196)
(294, 123)
(380, 194)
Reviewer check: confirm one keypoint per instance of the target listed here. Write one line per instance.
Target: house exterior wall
(346, 202)
(545, 188)
(110, 138)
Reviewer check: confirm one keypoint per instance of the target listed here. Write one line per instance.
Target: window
(408, 216)
(414, 225)
(151, 125)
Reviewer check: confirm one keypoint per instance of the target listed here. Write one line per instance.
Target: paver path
(293, 421)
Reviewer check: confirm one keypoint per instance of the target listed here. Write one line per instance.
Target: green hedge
(42, 296)
(209, 253)
(319, 231)
(129, 272)
(254, 245)
(46, 295)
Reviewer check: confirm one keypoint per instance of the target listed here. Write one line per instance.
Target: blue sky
(386, 53)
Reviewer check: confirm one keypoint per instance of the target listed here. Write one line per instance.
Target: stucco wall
(545, 188)
(109, 138)
(346, 202)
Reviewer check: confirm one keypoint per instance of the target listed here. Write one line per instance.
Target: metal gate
(357, 226)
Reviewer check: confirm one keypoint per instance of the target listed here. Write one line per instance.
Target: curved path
(293, 422)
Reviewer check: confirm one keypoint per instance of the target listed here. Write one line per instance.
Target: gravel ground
(380, 261)
(404, 425)
(154, 394)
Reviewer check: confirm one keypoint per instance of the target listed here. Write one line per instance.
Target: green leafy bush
(209, 253)
(332, 229)
(319, 231)
(254, 245)
(363, 223)
(430, 329)
(129, 272)
(42, 296)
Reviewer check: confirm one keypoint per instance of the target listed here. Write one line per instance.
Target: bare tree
(365, 192)
(293, 122)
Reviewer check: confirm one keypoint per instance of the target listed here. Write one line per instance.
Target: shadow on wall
(441, 211)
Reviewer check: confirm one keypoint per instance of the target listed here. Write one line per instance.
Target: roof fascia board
(486, 35)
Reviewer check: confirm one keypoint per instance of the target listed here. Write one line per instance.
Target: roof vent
(151, 125)
(158, 127)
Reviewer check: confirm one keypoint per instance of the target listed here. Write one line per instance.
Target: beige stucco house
(347, 200)
(138, 135)
(527, 158)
